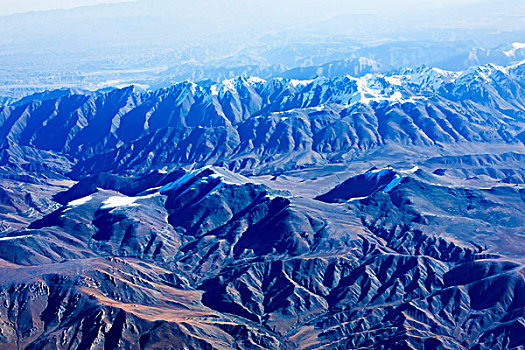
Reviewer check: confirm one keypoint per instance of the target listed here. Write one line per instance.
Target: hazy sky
(243, 23)
(15, 6)
(116, 34)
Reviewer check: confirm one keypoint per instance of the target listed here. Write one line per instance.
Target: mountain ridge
(384, 211)
(248, 122)
(267, 269)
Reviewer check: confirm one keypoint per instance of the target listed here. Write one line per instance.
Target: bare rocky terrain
(351, 213)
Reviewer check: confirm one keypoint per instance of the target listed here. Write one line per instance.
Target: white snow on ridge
(379, 173)
(256, 80)
(401, 87)
(394, 80)
(13, 238)
(122, 201)
(180, 181)
(80, 201)
(410, 171)
(229, 84)
(214, 90)
(350, 90)
(433, 78)
(295, 82)
(354, 199)
(515, 47)
(117, 201)
(396, 181)
(430, 78)
(227, 177)
(371, 88)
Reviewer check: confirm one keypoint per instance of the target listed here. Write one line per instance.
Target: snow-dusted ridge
(225, 176)
(404, 86)
(515, 47)
(80, 201)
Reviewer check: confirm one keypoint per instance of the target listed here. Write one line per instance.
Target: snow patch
(295, 82)
(227, 177)
(214, 90)
(394, 80)
(356, 199)
(396, 181)
(229, 84)
(411, 171)
(180, 181)
(122, 201)
(515, 47)
(13, 238)
(80, 201)
(379, 173)
(374, 88)
(117, 201)
(318, 108)
(256, 80)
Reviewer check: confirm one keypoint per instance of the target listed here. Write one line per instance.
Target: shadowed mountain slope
(255, 126)
(210, 259)
(384, 212)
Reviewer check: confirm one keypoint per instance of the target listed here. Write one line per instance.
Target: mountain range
(384, 210)
(254, 125)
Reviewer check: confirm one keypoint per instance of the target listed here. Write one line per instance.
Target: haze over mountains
(157, 43)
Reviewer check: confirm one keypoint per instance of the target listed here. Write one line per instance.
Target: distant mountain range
(157, 70)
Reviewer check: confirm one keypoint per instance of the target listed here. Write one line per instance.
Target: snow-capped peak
(514, 47)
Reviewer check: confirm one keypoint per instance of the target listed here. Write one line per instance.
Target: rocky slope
(376, 212)
(207, 258)
(255, 126)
